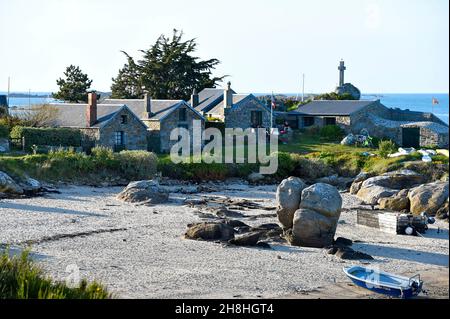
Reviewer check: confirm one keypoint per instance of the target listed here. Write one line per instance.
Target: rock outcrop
(288, 199)
(387, 185)
(8, 185)
(210, 231)
(428, 198)
(398, 203)
(147, 192)
(315, 223)
(348, 88)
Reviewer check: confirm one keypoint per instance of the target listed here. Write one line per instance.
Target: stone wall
(171, 122)
(89, 137)
(135, 132)
(239, 116)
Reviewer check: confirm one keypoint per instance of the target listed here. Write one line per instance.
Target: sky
(389, 46)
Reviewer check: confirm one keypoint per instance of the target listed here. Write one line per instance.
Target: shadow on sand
(52, 210)
(418, 256)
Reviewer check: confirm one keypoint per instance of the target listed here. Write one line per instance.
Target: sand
(139, 251)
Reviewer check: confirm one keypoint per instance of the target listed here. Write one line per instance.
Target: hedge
(47, 136)
(4, 131)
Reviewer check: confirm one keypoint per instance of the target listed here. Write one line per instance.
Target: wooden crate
(384, 221)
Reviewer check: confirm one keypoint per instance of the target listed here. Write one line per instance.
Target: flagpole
(303, 88)
(271, 116)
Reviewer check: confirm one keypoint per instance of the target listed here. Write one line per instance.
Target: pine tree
(168, 70)
(127, 83)
(74, 86)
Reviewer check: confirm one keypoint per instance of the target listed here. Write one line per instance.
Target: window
(256, 119)
(330, 121)
(308, 121)
(182, 115)
(119, 138)
(123, 119)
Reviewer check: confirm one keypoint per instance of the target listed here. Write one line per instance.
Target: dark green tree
(74, 86)
(127, 84)
(168, 70)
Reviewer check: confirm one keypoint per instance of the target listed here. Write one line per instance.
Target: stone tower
(341, 69)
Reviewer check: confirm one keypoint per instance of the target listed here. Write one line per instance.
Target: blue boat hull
(407, 293)
(385, 283)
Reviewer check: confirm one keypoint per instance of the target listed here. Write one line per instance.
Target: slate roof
(237, 98)
(160, 108)
(209, 98)
(74, 114)
(332, 107)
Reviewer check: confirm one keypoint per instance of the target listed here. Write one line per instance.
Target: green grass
(306, 156)
(70, 166)
(21, 278)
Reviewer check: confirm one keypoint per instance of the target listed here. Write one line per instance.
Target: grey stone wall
(239, 116)
(171, 122)
(135, 132)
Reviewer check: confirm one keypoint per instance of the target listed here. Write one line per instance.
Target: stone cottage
(161, 117)
(111, 125)
(235, 110)
(133, 124)
(406, 128)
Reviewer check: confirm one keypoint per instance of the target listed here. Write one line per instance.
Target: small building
(235, 110)
(110, 125)
(406, 128)
(161, 117)
(138, 124)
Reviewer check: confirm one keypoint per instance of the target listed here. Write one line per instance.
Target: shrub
(20, 278)
(4, 131)
(137, 164)
(47, 136)
(331, 132)
(11, 121)
(310, 168)
(386, 147)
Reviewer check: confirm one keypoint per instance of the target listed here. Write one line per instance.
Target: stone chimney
(148, 105)
(194, 98)
(228, 96)
(91, 110)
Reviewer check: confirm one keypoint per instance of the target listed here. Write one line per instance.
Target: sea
(413, 102)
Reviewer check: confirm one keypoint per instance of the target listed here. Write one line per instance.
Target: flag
(274, 104)
(434, 101)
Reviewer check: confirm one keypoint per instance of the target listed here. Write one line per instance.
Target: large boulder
(442, 212)
(30, 185)
(398, 203)
(315, 223)
(8, 185)
(371, 195)
(312, 229)
(355, 187)
(147, 192)
(374, 188)
(288, 199)
(210, 231)
(322, 198)
(400, 179)
(395, 203)
(428, 197)
(358, 181)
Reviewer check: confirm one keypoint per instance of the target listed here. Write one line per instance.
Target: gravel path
(139, 252)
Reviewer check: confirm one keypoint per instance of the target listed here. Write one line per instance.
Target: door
(411, 137)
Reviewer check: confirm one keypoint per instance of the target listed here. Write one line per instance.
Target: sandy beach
(139, 251)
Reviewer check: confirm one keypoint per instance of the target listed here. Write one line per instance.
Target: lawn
(303, 143)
